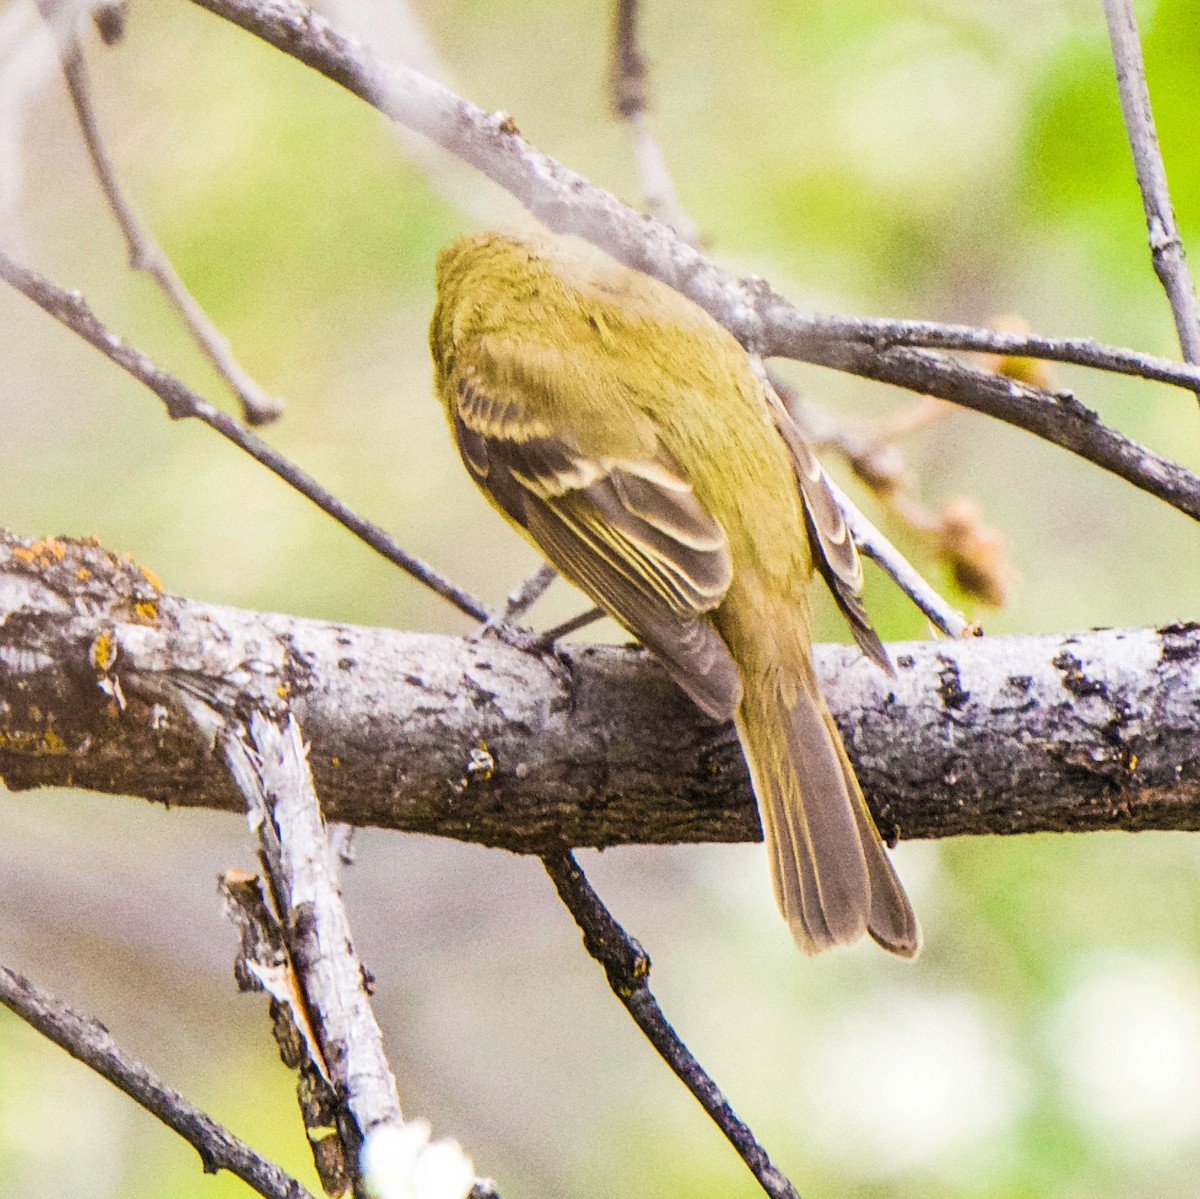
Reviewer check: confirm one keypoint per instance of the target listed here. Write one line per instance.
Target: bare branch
(326, 989)
(145, 254)
(1057, 417)
(592, 746)
(264, 964)
(71, 310)
(884, 332)
(526, 595)
(627, 967)
(269, 763)
(627, 84)
(627, 67)
(761, 319)
(88, 1041)
(324, 985)
(567, 627)
(1166, 246)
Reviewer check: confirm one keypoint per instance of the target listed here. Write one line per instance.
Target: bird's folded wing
(834, 552)
(628, 532)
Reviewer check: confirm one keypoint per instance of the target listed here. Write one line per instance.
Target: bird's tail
(833, 881)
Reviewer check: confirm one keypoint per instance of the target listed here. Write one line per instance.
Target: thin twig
(527, 594)
(627, 87)
(627, 67)
(70, 309)
(559, 631)
(1166, 246)
(88, 1041)
(145, 254)
(884, 332)
(627, 967)
(759, 317)
(874, 545)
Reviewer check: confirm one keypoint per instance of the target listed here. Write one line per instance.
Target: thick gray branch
(485, 743)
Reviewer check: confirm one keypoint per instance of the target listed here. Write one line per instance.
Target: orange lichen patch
(104, 652)
(146, 609)
(46, 743)
(44, 552)
(83, 573)
(127, 559)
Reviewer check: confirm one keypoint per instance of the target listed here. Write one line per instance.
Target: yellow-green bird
(629, 437)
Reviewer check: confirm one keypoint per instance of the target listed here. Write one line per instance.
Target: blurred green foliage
(924, 158)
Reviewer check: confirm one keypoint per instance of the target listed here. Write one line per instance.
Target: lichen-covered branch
(481, 741)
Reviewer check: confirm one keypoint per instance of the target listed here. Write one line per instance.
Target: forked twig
(145, 254)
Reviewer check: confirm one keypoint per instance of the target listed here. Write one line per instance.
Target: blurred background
(925, 158)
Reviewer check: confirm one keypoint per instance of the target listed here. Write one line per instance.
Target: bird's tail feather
(833, 881)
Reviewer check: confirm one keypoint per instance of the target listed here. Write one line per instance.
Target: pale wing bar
(631, 534)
